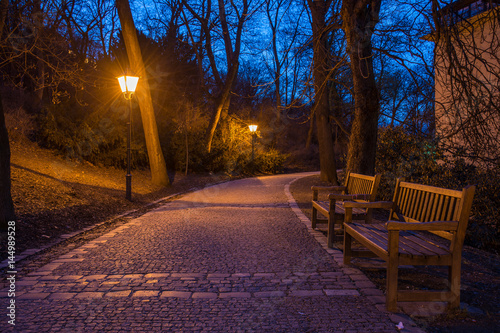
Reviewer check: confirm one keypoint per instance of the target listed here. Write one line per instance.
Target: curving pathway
(235, 257)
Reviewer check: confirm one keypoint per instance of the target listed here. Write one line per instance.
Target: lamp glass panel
(123, 84)
(252, 128)
(132, 83)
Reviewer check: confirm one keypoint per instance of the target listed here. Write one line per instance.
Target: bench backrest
(362, 184)
(423, 203)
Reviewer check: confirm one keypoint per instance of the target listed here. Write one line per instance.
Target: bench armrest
(329, 188)
(428, 226)
(373, 204)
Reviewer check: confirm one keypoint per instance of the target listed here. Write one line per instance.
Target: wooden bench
(359, 188)
(418, 215)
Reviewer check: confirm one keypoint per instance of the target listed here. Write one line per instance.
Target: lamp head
(252, 128)
(128, 84)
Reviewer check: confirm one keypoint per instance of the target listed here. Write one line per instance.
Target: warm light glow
(252, 128)
(128, 83)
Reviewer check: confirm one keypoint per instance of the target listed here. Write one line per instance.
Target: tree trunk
(310, 131)
(359, 20)
(221, 102)
(328, 165)
(6, 205)
(156, 160)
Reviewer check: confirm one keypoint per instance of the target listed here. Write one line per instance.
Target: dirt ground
(480, 291)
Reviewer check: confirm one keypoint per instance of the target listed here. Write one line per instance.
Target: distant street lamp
(128, 83)
(253, 129)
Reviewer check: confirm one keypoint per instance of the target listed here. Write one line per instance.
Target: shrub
(81, 137)
(270, 161)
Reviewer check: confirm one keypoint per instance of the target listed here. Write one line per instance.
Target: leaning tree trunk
(222, 101)
(359, 20)
(156, 160)
(321, 103)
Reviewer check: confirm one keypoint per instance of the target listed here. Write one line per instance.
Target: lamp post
(128, 83)
(253, 129)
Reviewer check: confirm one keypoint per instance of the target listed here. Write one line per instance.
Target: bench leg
(454, 280)
(392, 286)
(392, 272)
(347, 248)
(314, 218)
(331, 228)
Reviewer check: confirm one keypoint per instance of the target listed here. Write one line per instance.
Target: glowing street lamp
(128, 83)
(253, 129)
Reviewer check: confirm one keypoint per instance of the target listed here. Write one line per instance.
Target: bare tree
(231, 33)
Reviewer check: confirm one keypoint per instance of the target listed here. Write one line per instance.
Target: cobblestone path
(230, 258)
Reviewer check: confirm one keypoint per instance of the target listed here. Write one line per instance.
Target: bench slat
(411, 243)
(421, 245)
(422, 207)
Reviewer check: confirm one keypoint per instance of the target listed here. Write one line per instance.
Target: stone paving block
(276, 293)
(110, 283)
(306, 293)
(157, 275)
(176, 294)
(120, 293)
(89, 294)
(26, 282)
(204, 295)
(235, 295)
(38, 273)
(241, 275)
(341, 292)
(264, 275)
(71, 277)
(61, 296)
(217, 276)
(67, 256)
(49, 277)
(133, 276)
(95, 277)
(187, 275)
(146, 293)
(33, 296)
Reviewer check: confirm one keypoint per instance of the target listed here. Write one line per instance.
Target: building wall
(467, 91)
